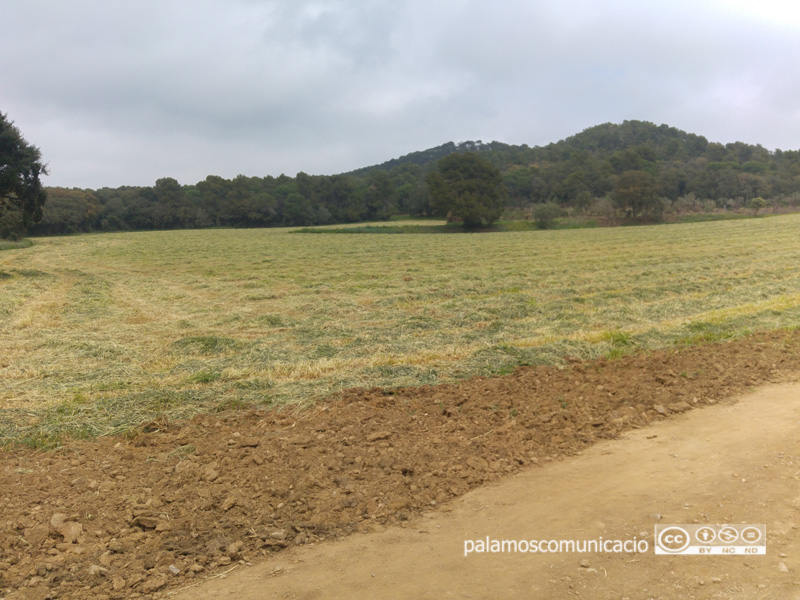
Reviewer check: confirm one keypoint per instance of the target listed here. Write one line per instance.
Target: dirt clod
(66, 528)
(154, 584)
(378, 435)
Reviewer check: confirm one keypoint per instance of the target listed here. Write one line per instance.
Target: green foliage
(545, 215)
(635, 193)
(13, 245)
(21, 194)
(585, 173)
(11, 223)
(497, 227)
(70, 211)
(757, 204)
(468, 187)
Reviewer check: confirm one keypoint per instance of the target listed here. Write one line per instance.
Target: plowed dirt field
(146, 515)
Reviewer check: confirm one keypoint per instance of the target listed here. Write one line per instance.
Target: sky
(123, 92)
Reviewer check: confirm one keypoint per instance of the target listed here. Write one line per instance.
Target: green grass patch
(208, 344)
(449, 228)
(704, 217)
(15, 245)
(620, 343)
(701, 332)
(435, 227)
(205, 376)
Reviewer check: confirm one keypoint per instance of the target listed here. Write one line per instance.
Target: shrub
(545, 215)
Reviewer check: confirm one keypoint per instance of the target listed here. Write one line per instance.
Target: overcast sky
(122, 92)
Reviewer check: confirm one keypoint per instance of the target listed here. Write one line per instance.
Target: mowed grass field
(99, 333)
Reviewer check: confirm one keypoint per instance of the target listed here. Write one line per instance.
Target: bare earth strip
(729, 463)
(149, 514)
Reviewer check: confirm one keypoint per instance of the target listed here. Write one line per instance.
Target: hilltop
(681, 172)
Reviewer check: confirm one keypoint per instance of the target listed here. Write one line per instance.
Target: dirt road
(727, 463)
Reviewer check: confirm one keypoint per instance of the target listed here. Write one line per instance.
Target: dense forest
(586, 174)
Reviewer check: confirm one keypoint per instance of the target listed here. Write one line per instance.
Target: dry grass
(101, 332)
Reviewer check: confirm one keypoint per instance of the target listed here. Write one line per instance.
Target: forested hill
(432, 155)
(684, 171)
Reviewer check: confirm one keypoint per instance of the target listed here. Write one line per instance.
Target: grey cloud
(124, 92)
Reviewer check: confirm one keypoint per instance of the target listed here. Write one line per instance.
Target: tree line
(21, 194)
(239, 202)
(635, 169)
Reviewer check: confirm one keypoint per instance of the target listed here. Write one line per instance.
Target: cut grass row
(102, 332)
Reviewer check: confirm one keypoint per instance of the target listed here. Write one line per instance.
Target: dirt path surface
(142, 516)
(723, 464)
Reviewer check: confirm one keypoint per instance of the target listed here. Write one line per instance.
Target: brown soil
(728, 463)
(122, 518)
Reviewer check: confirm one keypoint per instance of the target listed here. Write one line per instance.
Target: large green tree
(21, 194)
(68, 211)
(635, 193)
(469, 187)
